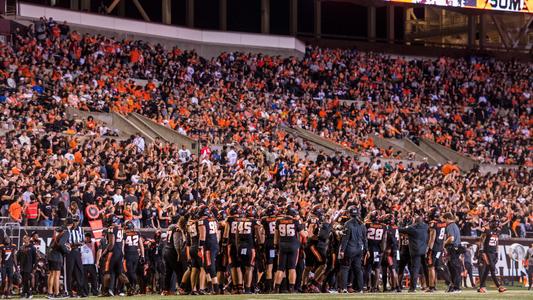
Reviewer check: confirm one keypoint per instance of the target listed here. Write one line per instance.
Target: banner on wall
(505, 266)
(522, 6)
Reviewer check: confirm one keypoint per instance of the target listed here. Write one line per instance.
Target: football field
(466, 294)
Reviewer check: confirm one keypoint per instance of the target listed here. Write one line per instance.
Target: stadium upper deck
(408, 26)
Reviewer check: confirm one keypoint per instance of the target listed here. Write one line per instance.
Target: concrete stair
(431, 159)
(426, 151)
(123, 124)
(447, 154)
(404, 145)
(165, 133)
(133, 126)
(318, 142)
(137, 124)
(433, 153)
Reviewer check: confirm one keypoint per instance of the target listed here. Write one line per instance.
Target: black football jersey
(490, 244)
(393, 238)
(192, 233)
(246, 231)
(440, 235)
(375, 235)
(233, 222)
(118, 233)
(269, 225)
(211, 229)
(7, 253)
(289, 229)
(131, 242)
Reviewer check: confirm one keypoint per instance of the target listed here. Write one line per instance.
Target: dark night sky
(338, 18)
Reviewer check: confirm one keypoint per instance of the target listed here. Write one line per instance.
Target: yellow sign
(524, 6)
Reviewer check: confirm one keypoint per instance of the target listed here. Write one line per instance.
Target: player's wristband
(201, 243)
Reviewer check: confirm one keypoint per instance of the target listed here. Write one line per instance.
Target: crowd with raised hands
(481, 107)
(154, 184)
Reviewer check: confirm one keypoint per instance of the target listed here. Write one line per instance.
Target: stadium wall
(206, 43)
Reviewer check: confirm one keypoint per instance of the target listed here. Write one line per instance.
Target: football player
(405, 256)
(8, 253)
(377, 242)
(287, 240)
(488, 249)
(221, 259)
(392, 253)
(208, 235)
(114, 255)
(247, 237)
(171, 253)
(193, 254)
(133, 254)
(269, 251)
(319, 231)
(437, 236)
(230, 242)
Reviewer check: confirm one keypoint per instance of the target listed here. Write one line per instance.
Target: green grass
(515, 294)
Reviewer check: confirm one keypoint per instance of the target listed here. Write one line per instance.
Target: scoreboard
(521, 6)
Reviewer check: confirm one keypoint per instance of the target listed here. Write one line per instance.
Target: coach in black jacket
(353, 245)
(418, 244)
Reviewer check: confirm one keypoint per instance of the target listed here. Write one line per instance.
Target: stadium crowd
(53, 168)
(481, 107)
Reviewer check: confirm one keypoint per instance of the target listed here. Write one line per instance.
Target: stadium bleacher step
(166, 133)
(319, 142)
(144, 127)
(448, 154)
(136, 124)
(432, 152)
(293, 132)
(126, 126)
(431, 158)
(114, 121)
(403, 145)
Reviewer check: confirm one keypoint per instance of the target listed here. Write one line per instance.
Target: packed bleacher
(480, 107)
(238, 97)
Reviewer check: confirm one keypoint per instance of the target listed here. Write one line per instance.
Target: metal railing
(11, 229)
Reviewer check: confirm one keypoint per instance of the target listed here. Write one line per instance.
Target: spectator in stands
(15, 210)
(32, 212)
(46, 212)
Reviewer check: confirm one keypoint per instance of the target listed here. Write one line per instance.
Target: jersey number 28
(375, 234)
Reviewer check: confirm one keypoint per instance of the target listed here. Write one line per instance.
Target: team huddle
(271, 250)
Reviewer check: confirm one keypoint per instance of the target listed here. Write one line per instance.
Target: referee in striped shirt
(74, 271)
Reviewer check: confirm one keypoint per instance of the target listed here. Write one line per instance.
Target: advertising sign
(524, 6)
